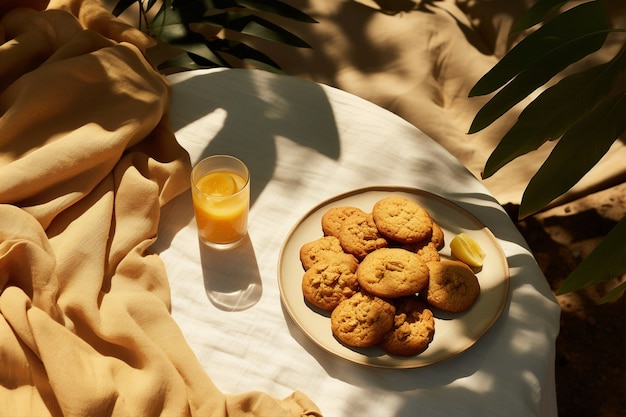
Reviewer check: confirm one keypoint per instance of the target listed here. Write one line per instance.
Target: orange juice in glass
(220, 188)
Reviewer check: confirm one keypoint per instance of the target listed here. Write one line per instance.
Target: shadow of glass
(232, 280)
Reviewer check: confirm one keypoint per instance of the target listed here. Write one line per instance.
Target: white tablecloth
(304, 143)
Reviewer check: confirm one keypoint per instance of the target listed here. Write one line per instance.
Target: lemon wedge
(467, 250)
(218, 184)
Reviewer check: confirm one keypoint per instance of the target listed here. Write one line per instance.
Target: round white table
(305, 143)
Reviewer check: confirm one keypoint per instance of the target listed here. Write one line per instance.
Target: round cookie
(453, 286)
(362, 320)
(402, 220)
(319, 250)
(413, 328)
(325, 286)
(334, 218)
(392, 273)
(360, 236)
(428, 248)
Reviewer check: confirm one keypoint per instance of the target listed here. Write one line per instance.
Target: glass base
(221, 246)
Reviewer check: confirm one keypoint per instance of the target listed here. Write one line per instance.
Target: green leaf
(556, 110)
(121, 6)
(255, 26)
(614, 295)
(606, 261)
(191, 11)
(536, 14)
(183, 60)
(580, 148)
(151, 4)
(168, 25)
(274, 7)
(203, 55)
(248, 54)
(533, 77)
(267, 6)
(193, 43)
(571, 27)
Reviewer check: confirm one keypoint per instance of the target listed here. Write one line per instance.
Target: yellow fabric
(87, 159)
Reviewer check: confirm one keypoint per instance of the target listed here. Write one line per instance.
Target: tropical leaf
(614, 295)
(190, 11)
(606, 262)
(585, 110)
(537, 13)
(580, 148)
(274, 7)
(121, 6)
(184, 61)
(249, 55)
(555, 110)
(168, 25)
(534, 77)
(151, 4)
(203, 55)
(255, 26)
(193, 26)
(572, 26)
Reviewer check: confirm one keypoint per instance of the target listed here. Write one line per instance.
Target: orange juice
(221, 202)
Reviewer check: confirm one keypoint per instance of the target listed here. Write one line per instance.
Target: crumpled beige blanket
(87, 160)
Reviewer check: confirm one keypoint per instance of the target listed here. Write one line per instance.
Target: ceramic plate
(454, 333)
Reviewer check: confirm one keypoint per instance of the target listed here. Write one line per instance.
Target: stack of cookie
(379, 273)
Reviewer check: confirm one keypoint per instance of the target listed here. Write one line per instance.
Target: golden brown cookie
(428, 248)
(413, 328)
(453, 286)
(437, 236)
(319, 250)
(392, 272)
(334, 217)
(428, 252)
(401, 219)
(362, 320)
(325, 286)
(359, 235)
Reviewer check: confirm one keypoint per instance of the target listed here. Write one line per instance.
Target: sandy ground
(591, 347)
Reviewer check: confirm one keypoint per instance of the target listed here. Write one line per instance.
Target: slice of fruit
(467, 250)
(220, 184)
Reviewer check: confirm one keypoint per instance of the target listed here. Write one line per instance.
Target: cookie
(428, 252)
(392, 272)
(334, 218)
(402, 220)
(318, 250)
(437, 236)
(453, 286)
(435, 240)
(325, 286)
(413, 328)
(362, 320)
(360, 236)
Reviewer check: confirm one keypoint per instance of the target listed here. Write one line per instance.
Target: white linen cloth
(304, 143)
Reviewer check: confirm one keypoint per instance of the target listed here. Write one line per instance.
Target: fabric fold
(87, 161)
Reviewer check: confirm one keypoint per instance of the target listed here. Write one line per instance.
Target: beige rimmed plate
(454, 333)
